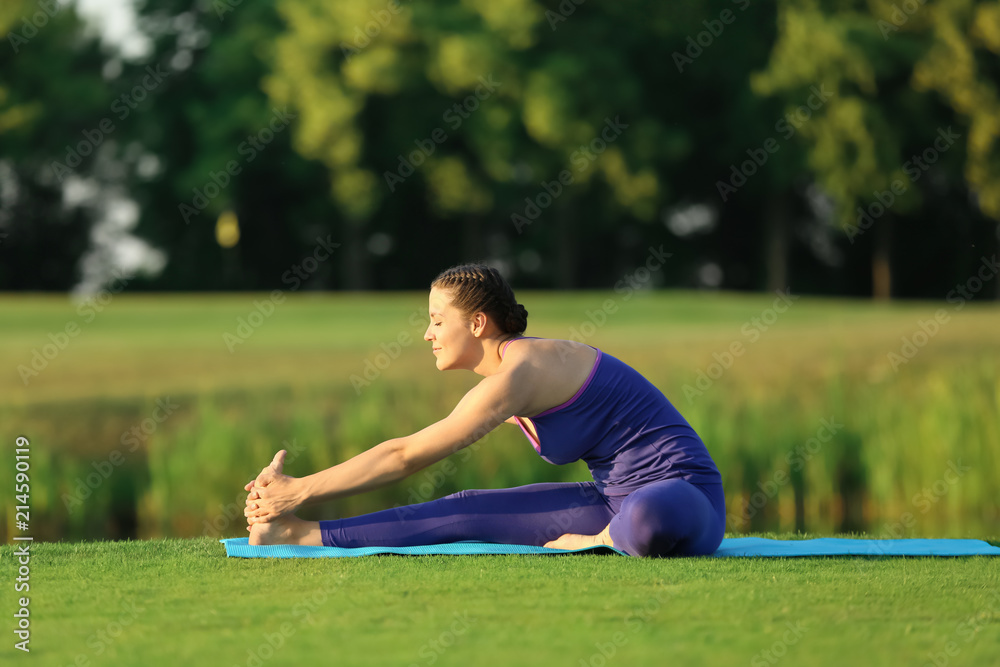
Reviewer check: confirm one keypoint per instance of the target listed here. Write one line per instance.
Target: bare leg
(288, 529)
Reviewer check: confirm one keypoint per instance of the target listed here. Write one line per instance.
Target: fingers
(278, 462)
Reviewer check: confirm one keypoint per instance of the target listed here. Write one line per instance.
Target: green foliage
(881, 60)
(552, 138)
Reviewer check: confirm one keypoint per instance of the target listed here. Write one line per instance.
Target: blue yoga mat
(239, 547)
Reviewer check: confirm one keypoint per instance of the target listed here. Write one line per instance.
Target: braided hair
(479, 288)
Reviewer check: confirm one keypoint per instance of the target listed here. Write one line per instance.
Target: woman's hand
(272, 494)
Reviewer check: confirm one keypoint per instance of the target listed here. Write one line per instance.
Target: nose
(427, 334)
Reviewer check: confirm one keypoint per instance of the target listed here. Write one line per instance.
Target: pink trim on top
(527, 433)
(503, 348)
(535, 443)
(577, 394)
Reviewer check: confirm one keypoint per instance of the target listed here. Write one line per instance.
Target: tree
(52, 100)
(477, 106)
(221, 150)
(864, 150)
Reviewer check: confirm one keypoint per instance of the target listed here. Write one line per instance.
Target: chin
(445, 364)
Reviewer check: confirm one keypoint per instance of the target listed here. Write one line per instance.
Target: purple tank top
(625, 429)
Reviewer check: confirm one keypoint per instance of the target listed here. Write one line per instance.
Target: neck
(490, 359)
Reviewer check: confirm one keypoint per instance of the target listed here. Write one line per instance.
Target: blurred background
(219, 219)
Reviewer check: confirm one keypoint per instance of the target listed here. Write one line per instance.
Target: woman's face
(449, 333)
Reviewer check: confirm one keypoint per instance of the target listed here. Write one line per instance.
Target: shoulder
(545, 372)
(539, 353)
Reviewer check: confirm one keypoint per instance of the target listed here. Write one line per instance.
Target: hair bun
(517, 319)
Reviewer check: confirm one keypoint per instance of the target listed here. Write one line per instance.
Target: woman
(656, 490)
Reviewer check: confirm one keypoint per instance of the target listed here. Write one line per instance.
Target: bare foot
(288, 529)
(574, 541)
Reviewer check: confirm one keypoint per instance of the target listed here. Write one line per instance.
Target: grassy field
(823, 415)
(180, 602)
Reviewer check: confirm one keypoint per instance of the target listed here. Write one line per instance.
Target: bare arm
(483, 408)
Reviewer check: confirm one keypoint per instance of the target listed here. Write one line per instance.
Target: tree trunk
(776, 243)
(354, 260)
(799, 493)
(472, 239)
(996, 279)
(881, 260)
(566, 248)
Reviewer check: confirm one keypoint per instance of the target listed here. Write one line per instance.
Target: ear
(478, 324)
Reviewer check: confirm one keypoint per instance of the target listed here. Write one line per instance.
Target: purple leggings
(668, 518)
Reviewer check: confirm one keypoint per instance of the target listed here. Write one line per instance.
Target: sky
(115, 21)
(114, 250)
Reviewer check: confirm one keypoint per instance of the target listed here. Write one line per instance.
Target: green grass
(179, 602)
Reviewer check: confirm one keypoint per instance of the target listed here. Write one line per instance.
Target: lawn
(182, 602)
